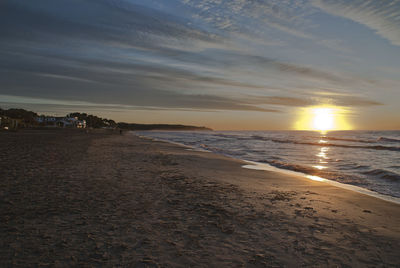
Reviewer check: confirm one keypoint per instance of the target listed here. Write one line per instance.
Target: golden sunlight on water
(315, 178)
(323, 119)
(319, 167)
(322, 155)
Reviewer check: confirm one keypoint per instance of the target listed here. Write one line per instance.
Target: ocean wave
(372, 147)
(353, 166)
(293, 167)
(229, 136)
(347, 139)
(383, 174)
(327, 174)
(364, 161)
(232, 152)
(385, 139)
(376, 147)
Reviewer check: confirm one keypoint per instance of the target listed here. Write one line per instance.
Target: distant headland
(14, 118)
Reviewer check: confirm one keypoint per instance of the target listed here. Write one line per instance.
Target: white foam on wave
(188, 148)
(266, 167)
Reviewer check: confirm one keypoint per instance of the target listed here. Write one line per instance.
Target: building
(70, 122)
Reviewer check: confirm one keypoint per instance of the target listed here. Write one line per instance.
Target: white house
(61, 121)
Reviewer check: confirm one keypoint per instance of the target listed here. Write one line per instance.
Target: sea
(367, 159)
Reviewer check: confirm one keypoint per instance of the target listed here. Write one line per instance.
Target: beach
(72, 198)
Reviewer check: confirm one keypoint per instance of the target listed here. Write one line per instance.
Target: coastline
(119, 200)
(267, 167)
(350, 187)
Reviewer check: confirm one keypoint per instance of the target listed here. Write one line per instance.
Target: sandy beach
(71, 198)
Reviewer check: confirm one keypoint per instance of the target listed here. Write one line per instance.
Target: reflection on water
(319, 167)
(322, 157)
(322, 154)
(367, 159)
(314, 178)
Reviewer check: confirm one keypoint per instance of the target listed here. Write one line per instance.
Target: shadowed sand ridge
(70, 198)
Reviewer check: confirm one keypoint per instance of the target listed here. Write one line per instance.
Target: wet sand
(68, 198)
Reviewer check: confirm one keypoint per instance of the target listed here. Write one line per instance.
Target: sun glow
(323, 118)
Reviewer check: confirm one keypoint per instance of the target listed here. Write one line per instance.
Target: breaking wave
(368, 159)
(383, 174)
(372, 147)
(388, 139)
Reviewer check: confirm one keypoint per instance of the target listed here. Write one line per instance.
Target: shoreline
(354, 188)
(72, 198)
(267, 167)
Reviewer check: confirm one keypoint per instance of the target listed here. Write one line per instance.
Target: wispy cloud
(381, 16)
(310, 100)
(242, 16)
(182, 102)
(210, 55)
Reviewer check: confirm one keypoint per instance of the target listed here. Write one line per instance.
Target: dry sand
(74, 199)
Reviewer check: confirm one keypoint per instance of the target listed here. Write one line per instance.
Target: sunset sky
(234, 64)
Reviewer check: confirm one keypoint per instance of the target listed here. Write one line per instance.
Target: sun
(323, 118)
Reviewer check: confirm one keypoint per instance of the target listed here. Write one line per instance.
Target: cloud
(335, 44)
(65, 23)
(229, 58)
(131, 55)
(354, 101)
(283, 101)
(381, 16)
(311, 100)
(66, 77)
(174, 101)
(309, 72)
(243, 16)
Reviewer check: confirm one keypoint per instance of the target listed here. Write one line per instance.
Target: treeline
(93, 121)
(26, 116)
(158, 127)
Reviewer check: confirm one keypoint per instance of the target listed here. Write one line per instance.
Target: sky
(225, 64)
